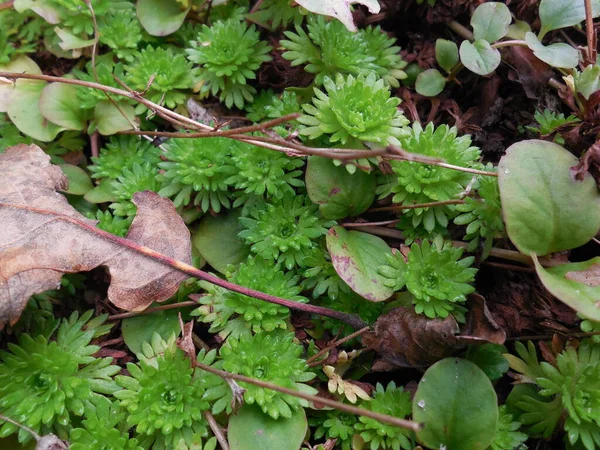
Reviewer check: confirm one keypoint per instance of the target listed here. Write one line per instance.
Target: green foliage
(573, 386)
(434, 274)
(163, 400)
(10, 135)
(103, 429)
(351, 303)
(278, 13)
(284, 230)
(122, 152)
(19, 34)
(329, 49)
(415, 183)
(122, 32)
(489, 358)
(354, 110)
(45, 384)
(272, 357)
(482, 214)
(550, 122)
(229, 52)
(113, 224)
(238, 315)
(162, 73)
(198, 169)
(321, 277)
(508, 436)
(260, 172)
(393, 401)
(138, 179)
(106, 70)
(335, 425)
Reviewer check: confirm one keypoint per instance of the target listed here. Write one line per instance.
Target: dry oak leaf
(43, 237)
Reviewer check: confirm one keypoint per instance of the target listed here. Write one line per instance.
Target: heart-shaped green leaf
(456, 402)
(111, 120)
(79, 180)
(576, 284)
(545, 209)
(430, 83)
(555, 14)
(251, 429)
(559, 55)
(216, 238)
(479, 57)
(356, 257)
(338, 193)
(161, 17)
(490, 21)
(60, 105)
(446, 54)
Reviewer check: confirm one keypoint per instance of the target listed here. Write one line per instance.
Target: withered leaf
(404, 338)
(481, 326)
(589, 277)
(43, 237)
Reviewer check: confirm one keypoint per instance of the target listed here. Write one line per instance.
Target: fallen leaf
(43, 237)
(481, 326)
(340, 9)
(404, 338)
(186, 343)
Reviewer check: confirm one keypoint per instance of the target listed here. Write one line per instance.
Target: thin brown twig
(592, 52)
(129, 314)
(7, 5)
(370, 224)
(544, 337)
(17, 424)
(384, 418)
(353, 320)
(313, 359)
(217, 430)
(417, 206)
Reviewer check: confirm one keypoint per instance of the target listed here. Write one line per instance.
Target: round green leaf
(356, 257)
(139, 329)
(102, 193)
(110, 119)
(555, 14)
(456, 402)
(490, 21)
(251, 429)
(338, 193)
(21, 64)
(446, 54)
(576, 284)
(479, 57)
(24, 112)
(79, 180)
(430, 83)
(161, 17)
(559, 55)
(216, 238)
(545, 209)
(59, 104)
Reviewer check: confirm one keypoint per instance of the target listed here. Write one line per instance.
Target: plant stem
(592, 52)
(417, 206)
(461, 30)
(352, 320)
(7, 5)
(217, 430)
(129, 314)
(334, 345)
(384, 418)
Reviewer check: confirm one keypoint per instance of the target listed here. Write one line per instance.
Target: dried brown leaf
(481, 326)
(44, 237)
(186, 343)
(404, 338)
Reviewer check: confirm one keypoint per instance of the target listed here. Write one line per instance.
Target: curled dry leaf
(43, 237)
(404, 338)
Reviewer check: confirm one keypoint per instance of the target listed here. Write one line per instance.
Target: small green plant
(414, 183)
(434, 274)
(330, 49)
(272, 357)
(46, 382)
(508, 436)
(239, 315)
(391, 400)
(139, 178)
(285, 231)
(228, 53)
(550, 122)
(163, 399)
(163, 74)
